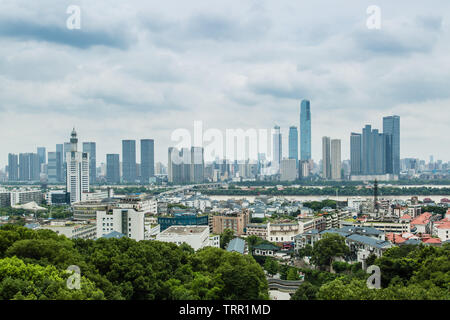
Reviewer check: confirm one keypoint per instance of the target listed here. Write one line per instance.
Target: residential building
(195, 236)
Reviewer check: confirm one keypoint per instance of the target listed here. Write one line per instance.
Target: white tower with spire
(77, 170)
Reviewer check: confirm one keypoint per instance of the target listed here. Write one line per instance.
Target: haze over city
(140, 70)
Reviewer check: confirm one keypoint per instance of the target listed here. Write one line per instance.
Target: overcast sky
(141, 69)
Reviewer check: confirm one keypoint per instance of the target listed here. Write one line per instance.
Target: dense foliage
(122, 269)
(407, 273)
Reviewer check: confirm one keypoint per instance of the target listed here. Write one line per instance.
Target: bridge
(180, 189)
(284, 285)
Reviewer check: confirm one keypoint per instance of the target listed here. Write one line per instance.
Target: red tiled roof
(432, 240)
(424, 218)
(445, 225)
(398, 238)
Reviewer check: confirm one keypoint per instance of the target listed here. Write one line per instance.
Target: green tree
(271, 265)
(226, 237)
(306, 291)
(330, 246)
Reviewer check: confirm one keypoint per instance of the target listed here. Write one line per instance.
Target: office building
(147, 160)
(60, 150)
(29, 167)
(129, 170)
(197, 173)
(13, 167)
(288, 170)
(112, 168)
(305, 130)
(293, 143)
(391, 126)
(126, 221)
(335, 158)
(277, 148)
(326, 158)
(54, 167)
(355, 153)
(42, 158)
(77, 179)
(90, 148)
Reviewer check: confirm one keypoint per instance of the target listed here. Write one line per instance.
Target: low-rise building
(195, 236)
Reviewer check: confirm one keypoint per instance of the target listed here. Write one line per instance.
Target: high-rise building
(90, 148)
(355, 153)
(293, 143)
(391, 126)
(147, 160)
(129, 161)
(54, 167)
(335, 159)
(288, 170)
(42, 158)
(305, 130)
(326, 158)
(29, 167)
(197, 173)
(60, 152)
(13, 167)
(67, 147)
(277, 148)
(77, 180)
(373, 153)
(112, 168)
(186, 166)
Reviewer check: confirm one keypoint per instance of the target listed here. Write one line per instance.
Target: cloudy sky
(141, 69)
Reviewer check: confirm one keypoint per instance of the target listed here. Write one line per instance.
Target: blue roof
(114, 234)
(361, 230)
(412, 241)
(339, 232)
(236, 245)
(370, 241)
(31, 225)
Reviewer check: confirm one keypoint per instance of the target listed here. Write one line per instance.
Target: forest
(33, 265)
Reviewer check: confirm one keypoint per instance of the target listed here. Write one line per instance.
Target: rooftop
(184, 230)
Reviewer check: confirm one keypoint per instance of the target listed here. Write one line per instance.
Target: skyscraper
(54, 167)
(305, 130)
(355, 153)
(90, 148)
(197, 174)
(293, 144)
(147, 160)
(112, 168)
(277, 148)
(335, 158)
(60, 153)
(67, 147)
(13, 167)
(326, 158)
(42, 158)
(29, 167)
(129, 160)
(391, 126)
(77, 180)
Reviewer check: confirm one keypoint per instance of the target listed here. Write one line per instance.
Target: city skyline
(235, 66)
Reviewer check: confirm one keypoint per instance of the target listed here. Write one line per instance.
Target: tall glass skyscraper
(13, 167)
(60, 153)
(355, 153)
(42, 157)
(112, 168)
(293, 144)
(305, 130)
(90, 147)
(277, 148)
(391, 126)
(129, 160)
(147, 160)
